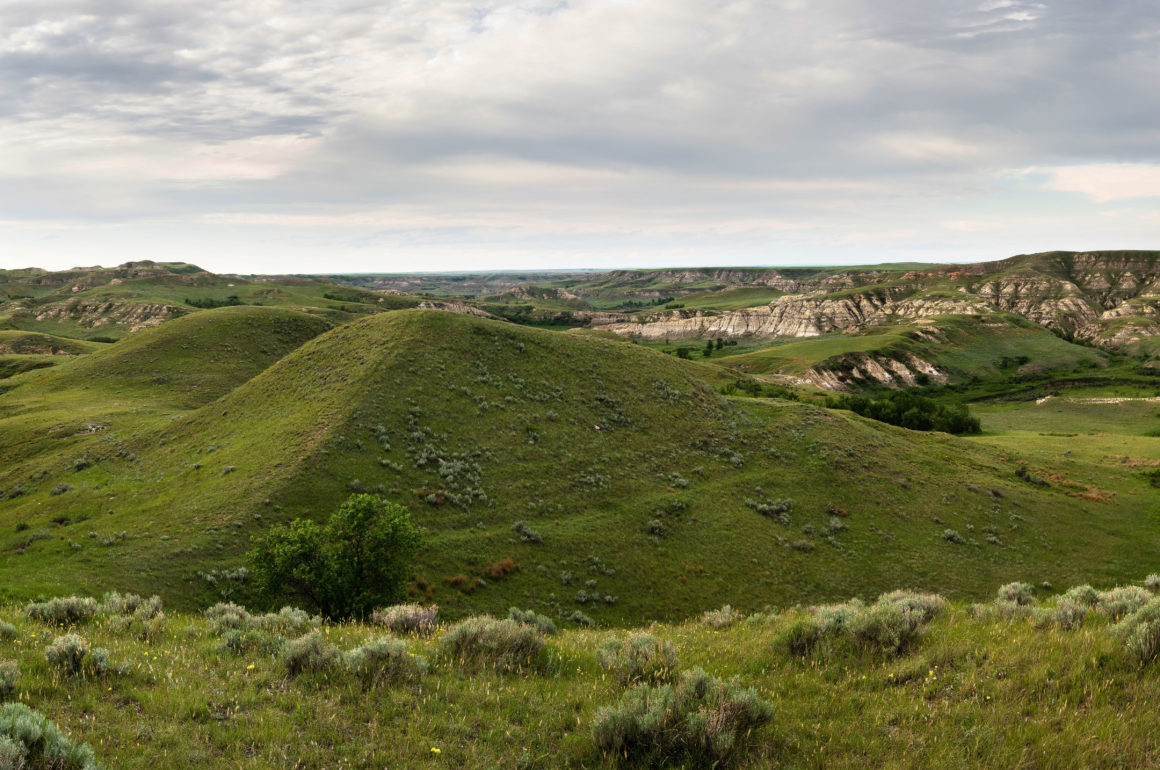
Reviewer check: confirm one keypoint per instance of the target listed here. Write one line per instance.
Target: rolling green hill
(643, 493)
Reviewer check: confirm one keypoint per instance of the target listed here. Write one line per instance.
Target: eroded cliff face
(792, 316)
(900, 370)
(134, 315)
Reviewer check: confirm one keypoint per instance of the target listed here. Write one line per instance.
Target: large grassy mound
(643, 493)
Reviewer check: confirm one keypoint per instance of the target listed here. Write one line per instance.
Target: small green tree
(358, 560)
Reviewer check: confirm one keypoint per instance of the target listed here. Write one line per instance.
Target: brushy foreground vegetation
(1032, 678)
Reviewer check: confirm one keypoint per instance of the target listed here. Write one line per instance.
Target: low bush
(241, 642)
(526, 533)
(888, 626)
(384, 662)
(542, 623)
(639, 658)
(114, 603)
(9, 676)
(701, 721)
(1152, 582)
(288, 620)
(1140, 631)
(8, 632)
(309, 654)
(68, 653)
(63, 610)
(484, 642)
(407, 618)
(721, 618)
(227, 615)
(1123, 600)
(30, 741)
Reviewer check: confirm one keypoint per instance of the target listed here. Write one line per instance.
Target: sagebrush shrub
(484, 642)
(1016, 593)
(63, 610)
(227, 615)
(114, 603)
(241, 641)
(701, 721)
(1122, 600)
(407, 618)
(288, 620)
(1152, 582)
(9, 676)
(68, 653)
(639, 658)
(1084, 594)
(309, 654)
(1140, 631)
(542, 623)
(30, 741)
(887, 628)
(802, 635)
(385, 661)
(721, 618)
(8, 632)
(926, 605)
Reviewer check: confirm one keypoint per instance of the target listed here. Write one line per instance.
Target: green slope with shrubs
(586, 479)
(1031, 677)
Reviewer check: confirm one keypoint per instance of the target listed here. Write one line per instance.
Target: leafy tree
(358, 560)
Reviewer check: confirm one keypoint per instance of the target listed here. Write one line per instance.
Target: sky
(286, 136)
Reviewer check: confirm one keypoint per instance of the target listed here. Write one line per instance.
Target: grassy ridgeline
(987, 686)
(641, 492)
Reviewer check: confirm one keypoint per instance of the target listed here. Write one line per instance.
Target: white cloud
(1103, 182)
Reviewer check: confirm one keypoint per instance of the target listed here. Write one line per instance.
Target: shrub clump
(8, 631)
(384, 661)
(9, 676)
(309, 654)
(114, 603)
(1123, 600)
(701, 720)
(542, 623)
(407, 618)
(721, 618)
(29, 740)
(72, 655)
(240, 642)
(484, 642)
(63, 610)
(639, 658)
(1140, 631)
(888, 626)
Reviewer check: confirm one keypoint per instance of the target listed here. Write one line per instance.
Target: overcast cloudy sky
(387, 135)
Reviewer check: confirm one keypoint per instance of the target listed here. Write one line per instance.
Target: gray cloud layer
(404, 135)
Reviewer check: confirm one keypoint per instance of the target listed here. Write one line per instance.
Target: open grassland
(1027, 680)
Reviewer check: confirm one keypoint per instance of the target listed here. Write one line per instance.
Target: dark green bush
(360, 559)
(909, 410)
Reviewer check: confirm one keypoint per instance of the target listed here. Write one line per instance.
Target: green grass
(190, 472)
(977, 692)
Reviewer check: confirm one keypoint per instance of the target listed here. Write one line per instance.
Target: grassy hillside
(999, 685)
(647, 495)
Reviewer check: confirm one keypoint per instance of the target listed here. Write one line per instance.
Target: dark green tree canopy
(358, 560)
